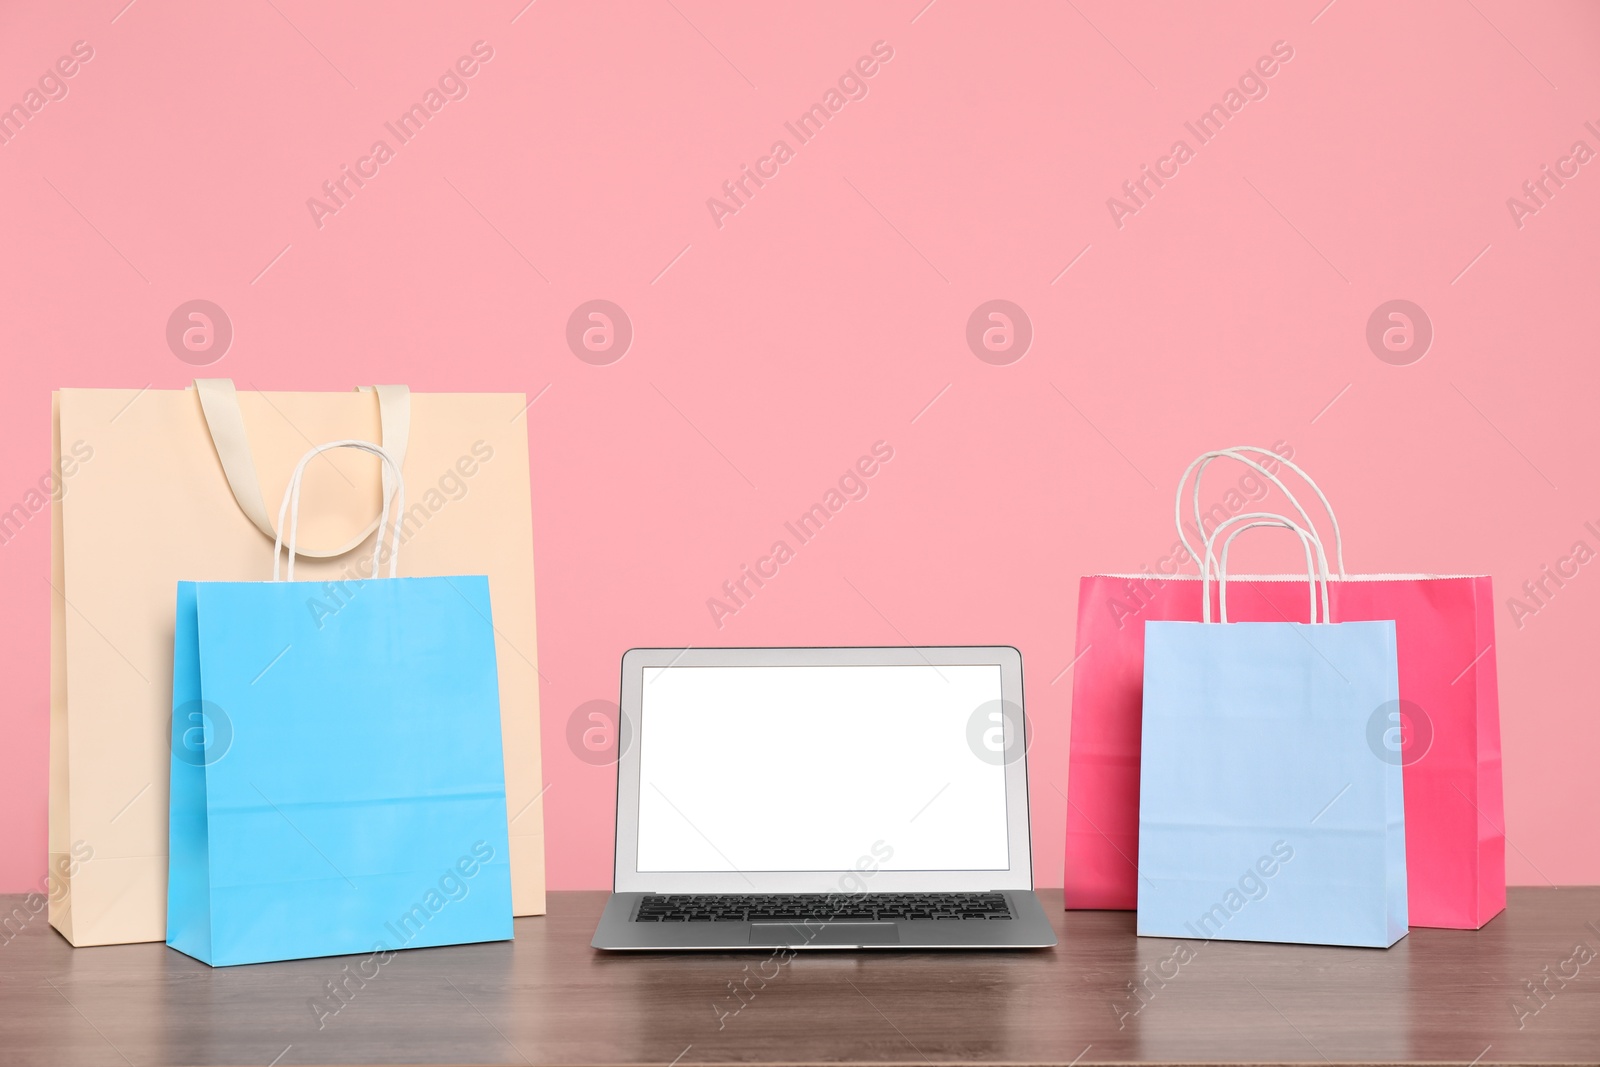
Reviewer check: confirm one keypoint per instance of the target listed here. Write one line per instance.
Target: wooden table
(547, 998)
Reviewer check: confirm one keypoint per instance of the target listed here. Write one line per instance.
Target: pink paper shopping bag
(1444, 730)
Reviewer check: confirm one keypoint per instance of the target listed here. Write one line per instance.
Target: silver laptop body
(846, 798)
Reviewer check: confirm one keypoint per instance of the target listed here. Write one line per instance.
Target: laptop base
(618, 932)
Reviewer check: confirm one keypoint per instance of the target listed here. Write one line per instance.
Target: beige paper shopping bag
(184, 485)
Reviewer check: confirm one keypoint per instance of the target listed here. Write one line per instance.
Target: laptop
(822, 798)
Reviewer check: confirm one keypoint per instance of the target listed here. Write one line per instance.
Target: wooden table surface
(547, 998)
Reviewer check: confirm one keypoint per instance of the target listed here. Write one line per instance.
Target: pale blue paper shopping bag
(337, 780)
(1264, 812)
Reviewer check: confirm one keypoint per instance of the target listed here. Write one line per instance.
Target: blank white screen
(809, 768)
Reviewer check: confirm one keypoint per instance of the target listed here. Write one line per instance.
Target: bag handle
(219, 403)
(1315, 568)
(1236, 453)
(291, 507)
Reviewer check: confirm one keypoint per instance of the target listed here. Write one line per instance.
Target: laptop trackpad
(804, 935)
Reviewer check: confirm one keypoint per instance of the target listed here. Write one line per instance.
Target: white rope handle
(1306, 539)
(219, 405)
(291, 507)
(1237, 453)
(1316, 565)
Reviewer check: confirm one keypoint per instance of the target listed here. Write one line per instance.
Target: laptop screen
(822, 768)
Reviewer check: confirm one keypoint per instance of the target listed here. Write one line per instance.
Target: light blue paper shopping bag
(337, 781)
(1264, 812)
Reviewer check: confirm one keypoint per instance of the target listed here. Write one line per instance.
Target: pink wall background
(830, 312)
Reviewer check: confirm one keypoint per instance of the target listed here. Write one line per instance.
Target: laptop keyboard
(783, 907)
